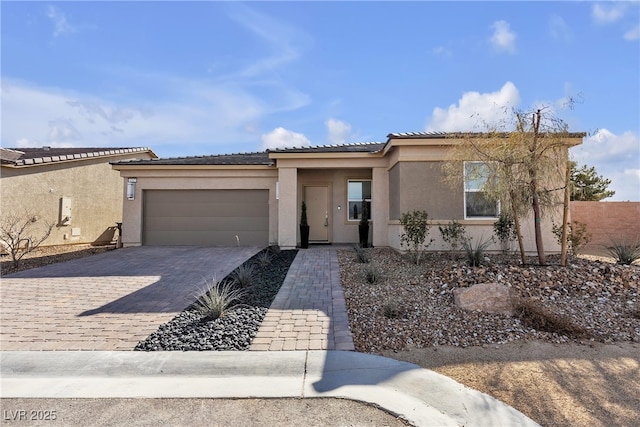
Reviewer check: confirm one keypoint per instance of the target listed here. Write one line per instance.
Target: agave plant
(216, 298)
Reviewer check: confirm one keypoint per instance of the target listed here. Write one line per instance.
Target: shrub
(577, 236)
(22, 233)
(245, 275)
(453, 234)
(624, 253)
(216, 298)
(504, 229)
(372, 274)
(533, 315)
(264, 258)
(274, 249)
(475, 253)
(391, 310)
(415, 229)
(362, 256)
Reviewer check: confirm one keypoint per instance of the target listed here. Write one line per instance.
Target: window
(358, 190)
(476, 202)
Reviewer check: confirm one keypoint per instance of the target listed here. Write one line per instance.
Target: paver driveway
(108, 301)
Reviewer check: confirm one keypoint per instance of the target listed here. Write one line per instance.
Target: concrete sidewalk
(420, 396)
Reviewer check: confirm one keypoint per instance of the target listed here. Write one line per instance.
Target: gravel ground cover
(191, 331)
(412, 306)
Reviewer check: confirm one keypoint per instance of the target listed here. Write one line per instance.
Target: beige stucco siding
(422, 188)
(93, 187)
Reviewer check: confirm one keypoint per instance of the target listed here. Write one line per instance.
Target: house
(74, 188)
(255, 198)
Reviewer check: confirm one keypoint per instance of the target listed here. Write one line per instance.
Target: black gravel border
(190, 331)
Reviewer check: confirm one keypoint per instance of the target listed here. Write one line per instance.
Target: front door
(317, 200)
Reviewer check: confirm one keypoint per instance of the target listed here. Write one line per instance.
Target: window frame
(369, 199)
(466, 190)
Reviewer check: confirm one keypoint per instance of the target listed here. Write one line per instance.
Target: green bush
(453, 234)
(624, 253)
(245, 275)
(577, 236)
(415, 229)
(475, 253)
(216, 298)
(504, 229)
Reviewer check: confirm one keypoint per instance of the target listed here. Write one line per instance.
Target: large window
(476, 203)
(358, 190)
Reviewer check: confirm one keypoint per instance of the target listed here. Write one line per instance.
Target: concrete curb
(420, 396)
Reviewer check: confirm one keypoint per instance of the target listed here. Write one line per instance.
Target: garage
(205, 217)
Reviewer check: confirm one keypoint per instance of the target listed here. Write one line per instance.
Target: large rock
(489, 297)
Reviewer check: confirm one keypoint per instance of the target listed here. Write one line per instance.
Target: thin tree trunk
(533, 186)
(565, 217)
(516, 223)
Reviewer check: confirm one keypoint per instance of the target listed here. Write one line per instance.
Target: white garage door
(206, 217)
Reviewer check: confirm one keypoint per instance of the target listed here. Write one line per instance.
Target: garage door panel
(206, 217)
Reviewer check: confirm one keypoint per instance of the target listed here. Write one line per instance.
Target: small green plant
(264, 258)
(244, 275)
(453, 234)
(303, 214)
(362, 255)
(577, 236)
(624, 253)
(274, 249)
(415, 229)
(504, 229)
(216, 298)
(372, 274)
(391, 310)
(475, 252)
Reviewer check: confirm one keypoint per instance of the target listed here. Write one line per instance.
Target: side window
(476, 203)
(357, 191)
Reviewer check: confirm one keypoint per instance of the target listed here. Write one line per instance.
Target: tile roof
(261, 158)
(358, 147)
(42, 155)
(439, 135)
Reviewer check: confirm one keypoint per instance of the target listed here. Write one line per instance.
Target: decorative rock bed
(189, 330)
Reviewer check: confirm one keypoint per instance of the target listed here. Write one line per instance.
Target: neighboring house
(74, 188)
(254, 198)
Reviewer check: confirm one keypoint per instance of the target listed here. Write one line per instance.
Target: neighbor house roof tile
(42, 155)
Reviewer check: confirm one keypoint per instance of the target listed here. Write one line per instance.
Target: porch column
(380, 205)
(288, 208)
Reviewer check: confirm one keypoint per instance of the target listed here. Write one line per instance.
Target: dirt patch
(50, 255)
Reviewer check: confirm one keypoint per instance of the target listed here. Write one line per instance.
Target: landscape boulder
(488, 297)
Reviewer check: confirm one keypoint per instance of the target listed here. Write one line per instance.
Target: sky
(198, 78)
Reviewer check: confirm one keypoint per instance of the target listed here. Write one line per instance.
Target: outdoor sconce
(131, 188)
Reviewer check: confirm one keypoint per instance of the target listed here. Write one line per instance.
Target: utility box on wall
(65, 211)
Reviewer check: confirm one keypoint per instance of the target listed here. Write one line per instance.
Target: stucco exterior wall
(608, 222)
(193, 179)
(94, 188)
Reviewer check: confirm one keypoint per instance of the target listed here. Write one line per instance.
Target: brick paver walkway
(309, 312)
(108, 301)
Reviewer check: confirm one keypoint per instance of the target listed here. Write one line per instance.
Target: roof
(440, 135)
(358, 147)
(45, 155)
(261, 158)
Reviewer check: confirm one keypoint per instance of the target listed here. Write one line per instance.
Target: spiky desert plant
(372, 274)
(215, 298)
(475, 252)
(264, 258)
(362, 256)
(624, 253)
(244, 275)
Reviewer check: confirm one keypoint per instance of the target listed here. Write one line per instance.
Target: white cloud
(283, 138)
(633, 34)
(442, 51)
(602, 14)
(616, 157)
(559, 29)
(59, 20)
(200, 113)
(475, 110)
(339, 131)
(503, 39)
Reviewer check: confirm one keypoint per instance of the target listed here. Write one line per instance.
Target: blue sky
(194, 78)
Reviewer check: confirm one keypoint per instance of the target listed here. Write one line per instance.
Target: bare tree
(524, 166)
(23, 233)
